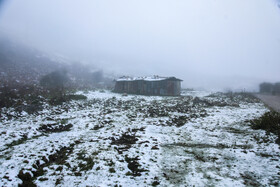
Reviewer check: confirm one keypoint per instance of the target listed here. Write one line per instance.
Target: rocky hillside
(22, 65)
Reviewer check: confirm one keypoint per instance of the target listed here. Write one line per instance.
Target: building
(270, 88)
(164, 86)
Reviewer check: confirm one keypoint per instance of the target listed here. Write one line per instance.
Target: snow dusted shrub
(269, 122)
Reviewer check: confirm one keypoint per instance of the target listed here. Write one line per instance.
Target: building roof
(151, 78)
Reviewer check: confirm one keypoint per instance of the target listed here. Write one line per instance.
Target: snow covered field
(115, 140)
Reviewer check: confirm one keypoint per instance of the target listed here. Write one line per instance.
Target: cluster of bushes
(58, 84)
(269, 122)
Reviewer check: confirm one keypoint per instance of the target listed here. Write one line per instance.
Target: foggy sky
(226, 44)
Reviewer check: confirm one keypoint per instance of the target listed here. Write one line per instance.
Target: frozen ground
(115, 140)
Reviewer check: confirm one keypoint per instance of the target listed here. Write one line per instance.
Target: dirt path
(271, 100)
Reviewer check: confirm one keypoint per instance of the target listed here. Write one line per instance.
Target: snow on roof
(151, 78)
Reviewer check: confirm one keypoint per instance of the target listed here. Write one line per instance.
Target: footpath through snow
(272, 101)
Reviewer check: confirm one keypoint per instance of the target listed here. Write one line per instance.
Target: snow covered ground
(115, 140)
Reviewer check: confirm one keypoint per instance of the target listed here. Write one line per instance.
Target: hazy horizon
(209, 44)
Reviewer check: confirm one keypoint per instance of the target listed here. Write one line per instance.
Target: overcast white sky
(207, 43)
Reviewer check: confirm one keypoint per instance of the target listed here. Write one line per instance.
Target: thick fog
(212, 44)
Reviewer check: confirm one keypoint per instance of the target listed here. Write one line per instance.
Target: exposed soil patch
(157, 112)
(29, 176)
(19, 141)
(179, 121)
(250, 179)
(87, 161)
(126, 141)
(23, 139)
(56, 127)
(134, 166)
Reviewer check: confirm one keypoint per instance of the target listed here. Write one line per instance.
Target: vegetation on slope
(270, 122)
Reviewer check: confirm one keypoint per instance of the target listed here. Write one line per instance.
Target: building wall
(164, 87)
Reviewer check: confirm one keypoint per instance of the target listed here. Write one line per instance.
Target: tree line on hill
(55, 88)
